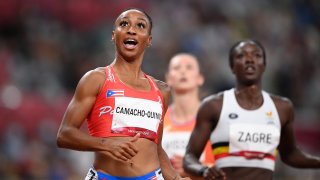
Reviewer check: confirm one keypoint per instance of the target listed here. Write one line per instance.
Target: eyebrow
(142, 19)
(139, 18)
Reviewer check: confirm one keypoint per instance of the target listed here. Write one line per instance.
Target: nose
(249, 59)
(131, 30)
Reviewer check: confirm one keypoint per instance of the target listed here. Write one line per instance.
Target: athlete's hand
(123, 150)
(176, 162)
(214, 173)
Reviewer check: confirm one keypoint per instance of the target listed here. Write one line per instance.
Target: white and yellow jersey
(246, 138)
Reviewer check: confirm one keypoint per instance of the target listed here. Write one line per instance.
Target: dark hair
(145, 13)
(232, 50)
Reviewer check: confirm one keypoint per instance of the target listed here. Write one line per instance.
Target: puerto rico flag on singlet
(115, 92)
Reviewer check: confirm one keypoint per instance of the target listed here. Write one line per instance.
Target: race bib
(135, 115)
(253, 138)
(175, 142)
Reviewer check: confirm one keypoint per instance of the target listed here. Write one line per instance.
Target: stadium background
(47, 45)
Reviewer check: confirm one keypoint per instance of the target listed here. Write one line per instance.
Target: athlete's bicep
(287, 139)
(205, 122)
(83, 99)
(165, 91)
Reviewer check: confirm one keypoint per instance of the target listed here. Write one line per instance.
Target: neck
(249, 97)
(130, 68)
(185, 105)
(250, 91)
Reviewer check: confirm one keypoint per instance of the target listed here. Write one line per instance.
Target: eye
(258, 55)
(189, 67)
(141, 25)
(239, 56)
(176, 68)
(124, 23)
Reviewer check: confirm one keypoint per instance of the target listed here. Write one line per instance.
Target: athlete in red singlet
(124, 109)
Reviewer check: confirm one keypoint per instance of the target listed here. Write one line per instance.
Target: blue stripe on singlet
(149, 176)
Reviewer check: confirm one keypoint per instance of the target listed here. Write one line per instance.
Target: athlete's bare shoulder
(212, 104)
(96, 73)
(163, 87)
(214, 99)
(210, 109)
(281, 102)
(93, 79)
(284, 107)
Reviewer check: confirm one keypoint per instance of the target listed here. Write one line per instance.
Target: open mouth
(130, 43)
(250, 69)
(183, 79)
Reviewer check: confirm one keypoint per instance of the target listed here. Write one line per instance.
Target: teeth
(250, 68)
(131, 40)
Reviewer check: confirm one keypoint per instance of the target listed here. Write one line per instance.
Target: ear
(112, 36)
(149, 42)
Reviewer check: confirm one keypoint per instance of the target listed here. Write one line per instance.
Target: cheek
(170, 79)
(234, 69)
(173, 78)
(144, 33)
(116, 38)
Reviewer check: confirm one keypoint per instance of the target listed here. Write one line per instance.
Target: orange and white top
(176, 137)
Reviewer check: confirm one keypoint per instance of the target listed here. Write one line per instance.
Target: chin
(250, 82)
(183, 89)
(130, 56)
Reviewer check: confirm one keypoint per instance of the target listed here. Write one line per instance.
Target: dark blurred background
(47, 45)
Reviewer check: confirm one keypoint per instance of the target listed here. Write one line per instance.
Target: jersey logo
(115, 93)
(270, 118)
(233, 116)
(269, 114)
(105, 110)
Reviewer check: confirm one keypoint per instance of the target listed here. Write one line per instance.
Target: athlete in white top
(246, 125)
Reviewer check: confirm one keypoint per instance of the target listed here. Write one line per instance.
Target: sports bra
(120, 110)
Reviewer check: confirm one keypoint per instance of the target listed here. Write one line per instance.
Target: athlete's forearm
(192, 165)
(73, 138)
(300, 159)
(166, 167)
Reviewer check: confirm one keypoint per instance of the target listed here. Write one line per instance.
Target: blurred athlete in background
(184, 78)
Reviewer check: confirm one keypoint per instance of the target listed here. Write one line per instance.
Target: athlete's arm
(167, 169)
(69, 135)
(206, 121)
(289, 152)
